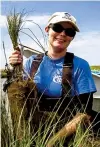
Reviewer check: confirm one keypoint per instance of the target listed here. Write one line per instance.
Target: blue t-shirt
(48, 77)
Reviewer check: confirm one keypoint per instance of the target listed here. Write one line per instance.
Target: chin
(59, 45)
(59, 49)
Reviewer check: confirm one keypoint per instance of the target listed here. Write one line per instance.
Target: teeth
(60, 40)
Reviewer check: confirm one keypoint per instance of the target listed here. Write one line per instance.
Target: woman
(61, 30)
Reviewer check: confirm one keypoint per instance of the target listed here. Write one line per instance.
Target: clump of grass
(14, 25)
(17, 90)
(6, 131)
(68, 129)
(15, 21)
(40, 137)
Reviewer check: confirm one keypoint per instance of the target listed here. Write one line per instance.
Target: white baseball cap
(63, 17)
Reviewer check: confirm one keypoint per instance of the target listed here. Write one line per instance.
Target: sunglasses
(59, 28)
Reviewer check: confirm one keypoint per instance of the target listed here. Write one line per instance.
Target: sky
(86, 43)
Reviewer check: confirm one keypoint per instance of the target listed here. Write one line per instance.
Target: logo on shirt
(57, 79)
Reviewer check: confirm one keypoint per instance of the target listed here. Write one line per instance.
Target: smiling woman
(62, 79)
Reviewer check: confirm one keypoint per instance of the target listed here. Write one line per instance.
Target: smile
(60, 40)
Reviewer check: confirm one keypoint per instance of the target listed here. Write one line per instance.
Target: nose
(63, 33)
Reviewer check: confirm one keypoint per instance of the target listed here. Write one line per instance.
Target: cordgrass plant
(14, 25)
(17, 89)
(15, 21)
(41, 137)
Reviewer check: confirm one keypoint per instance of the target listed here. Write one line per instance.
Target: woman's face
(59, 41)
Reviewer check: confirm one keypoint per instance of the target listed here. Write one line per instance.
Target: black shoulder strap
(35, 64)
(68, 60)
(67, 74)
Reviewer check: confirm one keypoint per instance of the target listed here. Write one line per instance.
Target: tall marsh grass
(40, 137)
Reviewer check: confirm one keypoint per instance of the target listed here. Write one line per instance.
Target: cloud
(41, 20)
(87, 46)
(3, 21)
(29, 21)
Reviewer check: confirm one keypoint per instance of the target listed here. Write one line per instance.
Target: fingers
(15, 58)
(16, 52)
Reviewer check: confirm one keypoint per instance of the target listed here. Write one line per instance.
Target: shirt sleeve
(84, 82)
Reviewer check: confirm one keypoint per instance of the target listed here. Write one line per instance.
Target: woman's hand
(15, 58)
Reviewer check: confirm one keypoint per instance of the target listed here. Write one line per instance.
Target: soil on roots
(19, 93)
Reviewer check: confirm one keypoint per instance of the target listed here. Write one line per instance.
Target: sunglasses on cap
(59, 28)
